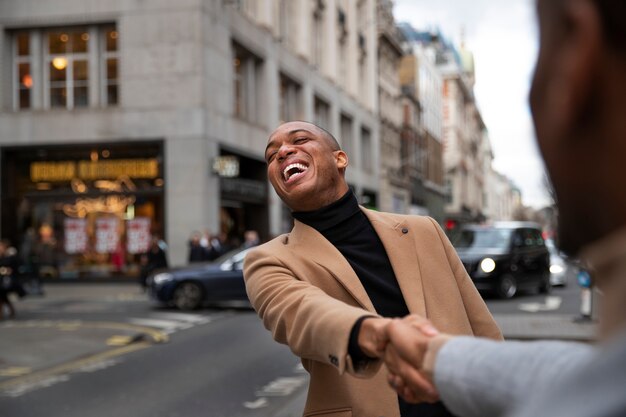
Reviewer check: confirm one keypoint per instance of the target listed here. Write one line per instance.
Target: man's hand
(373, 336)
(408, 341)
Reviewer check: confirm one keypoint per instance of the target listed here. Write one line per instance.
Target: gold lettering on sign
(52, 171)
(133, 168)
(94, 170)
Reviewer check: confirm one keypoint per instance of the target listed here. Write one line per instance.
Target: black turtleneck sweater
(344, 224)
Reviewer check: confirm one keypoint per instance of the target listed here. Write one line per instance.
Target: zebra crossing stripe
(190, 318)
(168, 326)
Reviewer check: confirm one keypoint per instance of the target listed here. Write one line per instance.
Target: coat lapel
(398, 240)
(317, 248)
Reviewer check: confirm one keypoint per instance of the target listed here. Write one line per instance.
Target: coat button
(333, 360)
(405, 230)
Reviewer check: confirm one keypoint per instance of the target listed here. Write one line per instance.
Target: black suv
(505, 257)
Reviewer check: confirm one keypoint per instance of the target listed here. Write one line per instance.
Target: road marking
(60, 373)
(550, 304)
(259, 403)
(190, 318)
(168, 326)
(15, 371)
(281, 387)
(120, 340)
(154, 334)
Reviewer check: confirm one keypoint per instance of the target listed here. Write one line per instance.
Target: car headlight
(487, 265)
(556, 269)
(162, 277)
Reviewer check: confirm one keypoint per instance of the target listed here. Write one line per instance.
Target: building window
(289, 99)
(23, 71)
(66, 58)
(367, 160)
(287, 27)
(110, 61)
(317, 37)
(342, 39)
(64, 70)
(346, 136)
(322, 113)
(246, 71)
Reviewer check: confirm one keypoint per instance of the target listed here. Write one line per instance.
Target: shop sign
(138, 235)
(94, 170)
(75, 235)
(250, 191)
(107, 234)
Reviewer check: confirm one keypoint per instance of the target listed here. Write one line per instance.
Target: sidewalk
(531, 326)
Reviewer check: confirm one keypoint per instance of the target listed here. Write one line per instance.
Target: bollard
(586, 296)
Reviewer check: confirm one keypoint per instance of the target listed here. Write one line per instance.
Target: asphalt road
(214, 363)
(562, 300)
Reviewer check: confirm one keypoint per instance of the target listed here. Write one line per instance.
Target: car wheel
(507, 286)
(188, 296)
(546, 285)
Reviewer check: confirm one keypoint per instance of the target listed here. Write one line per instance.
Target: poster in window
(75, 235)
(107, 234)
(138, 235)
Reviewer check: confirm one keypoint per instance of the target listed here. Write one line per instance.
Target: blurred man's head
(578, 101)
(306, 166)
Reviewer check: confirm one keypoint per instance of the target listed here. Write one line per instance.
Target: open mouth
(293, 171)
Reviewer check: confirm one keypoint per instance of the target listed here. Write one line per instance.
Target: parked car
(562, 270)
(191, 287)
(505, 257)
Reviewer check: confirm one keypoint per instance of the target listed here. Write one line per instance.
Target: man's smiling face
(305, 166)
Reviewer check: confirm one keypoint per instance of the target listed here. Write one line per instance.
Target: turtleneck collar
(331, 215)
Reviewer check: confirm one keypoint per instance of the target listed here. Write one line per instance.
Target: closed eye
(270, 157)
(300, 140)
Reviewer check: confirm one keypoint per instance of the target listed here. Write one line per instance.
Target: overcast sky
(503, 37)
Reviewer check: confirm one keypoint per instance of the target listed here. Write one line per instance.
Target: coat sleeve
(480, 318)
(479, 377)
(313, 324)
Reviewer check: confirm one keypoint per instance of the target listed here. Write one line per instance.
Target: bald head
(301, 125)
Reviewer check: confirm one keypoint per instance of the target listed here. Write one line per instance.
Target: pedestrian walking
(155, 258)
(197, 252)
(8, 278)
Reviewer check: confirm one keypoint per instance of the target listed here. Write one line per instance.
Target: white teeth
(291, 166)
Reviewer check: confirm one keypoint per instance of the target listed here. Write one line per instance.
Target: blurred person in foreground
(328, 287)
(578, 101)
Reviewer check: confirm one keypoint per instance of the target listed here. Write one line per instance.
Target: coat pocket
(337, 412)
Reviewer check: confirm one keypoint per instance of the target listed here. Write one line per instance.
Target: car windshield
(234, 255)
(485, 238)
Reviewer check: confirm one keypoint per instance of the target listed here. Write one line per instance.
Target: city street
(116, 354)
(104, 349)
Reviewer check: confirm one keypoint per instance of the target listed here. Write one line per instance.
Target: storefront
(83, 211)
(244, 195)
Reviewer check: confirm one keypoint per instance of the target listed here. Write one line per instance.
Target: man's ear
(576, 61)
(342, 159)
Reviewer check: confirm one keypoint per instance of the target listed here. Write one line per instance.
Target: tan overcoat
(309, 297)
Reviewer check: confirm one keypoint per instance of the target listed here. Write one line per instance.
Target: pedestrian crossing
(170, 323)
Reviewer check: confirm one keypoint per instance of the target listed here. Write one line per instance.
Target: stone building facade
(117, 111)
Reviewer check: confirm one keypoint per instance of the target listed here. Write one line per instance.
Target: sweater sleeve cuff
(354, 350)
(434, 345)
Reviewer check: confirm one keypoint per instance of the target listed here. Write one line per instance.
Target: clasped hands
(402, 344)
